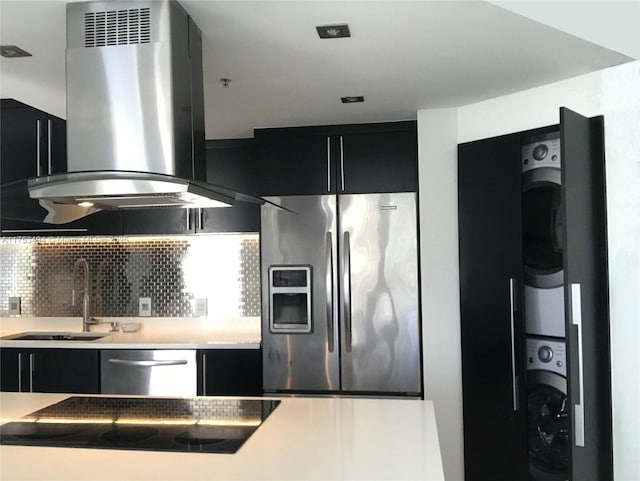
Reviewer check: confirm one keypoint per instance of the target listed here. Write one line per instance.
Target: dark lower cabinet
(493, 318)
(50, 370)
(230, 372)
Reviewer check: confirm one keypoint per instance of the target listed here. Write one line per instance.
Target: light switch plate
(15, 308)
(144, 306)
(201, 307)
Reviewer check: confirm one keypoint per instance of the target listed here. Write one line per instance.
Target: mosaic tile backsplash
(172, 271)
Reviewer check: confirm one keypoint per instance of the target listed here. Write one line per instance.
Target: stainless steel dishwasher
(153, 372)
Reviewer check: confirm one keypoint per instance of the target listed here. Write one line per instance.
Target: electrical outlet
(144, 306)
(15, 308)
(201, 307)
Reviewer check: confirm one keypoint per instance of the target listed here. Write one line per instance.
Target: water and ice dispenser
(290, 299)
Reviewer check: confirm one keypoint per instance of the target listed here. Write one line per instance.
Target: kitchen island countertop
(304, 438)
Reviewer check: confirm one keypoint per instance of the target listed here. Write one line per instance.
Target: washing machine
(547, 404)
(542, 227)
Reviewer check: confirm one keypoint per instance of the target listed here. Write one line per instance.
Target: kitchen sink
(54, 336)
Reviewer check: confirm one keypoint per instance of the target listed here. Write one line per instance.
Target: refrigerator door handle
(576, 320)
(329, 267)
(328, 164)
(346, 282)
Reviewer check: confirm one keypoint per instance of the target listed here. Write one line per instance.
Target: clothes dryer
(547, 404)
(542, 224)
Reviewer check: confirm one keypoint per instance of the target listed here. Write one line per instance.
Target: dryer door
(542, 224)
(548, 426)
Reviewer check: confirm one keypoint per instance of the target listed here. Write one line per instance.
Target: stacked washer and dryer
(542, 222)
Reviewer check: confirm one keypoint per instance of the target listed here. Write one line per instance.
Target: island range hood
(135, 113)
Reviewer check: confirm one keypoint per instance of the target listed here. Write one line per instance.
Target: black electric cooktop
(205, 425)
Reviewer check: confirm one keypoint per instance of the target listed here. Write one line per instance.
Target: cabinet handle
(576, 320)
(49, 147)
(19, 372)
(204, 374)
(329, 283)
(32, 369)
(127, 362)
(328, 164)
(346, 279)
(38, 149)
(512, 309)
(342, 162)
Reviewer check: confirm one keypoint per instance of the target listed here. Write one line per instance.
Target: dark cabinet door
(230, 372)
(50, 370)
(379, 161)
(586, 295)
(231, 164)
(65, 370)
(242, 217)
(9, 370)
(158, 221)
(492, 327)
(295, 161)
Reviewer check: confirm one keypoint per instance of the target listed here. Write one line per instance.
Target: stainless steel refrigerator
(340, 309)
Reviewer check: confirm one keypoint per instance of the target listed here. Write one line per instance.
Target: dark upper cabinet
(230, 372)
(229, 164)
(50, 370)
(33, 144)
(493, 316)
(339, 159)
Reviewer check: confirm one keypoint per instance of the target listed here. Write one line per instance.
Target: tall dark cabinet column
(493, 321)
(586, 292)
(492, 330)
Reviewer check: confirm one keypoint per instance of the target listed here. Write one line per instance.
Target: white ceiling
(402, 56)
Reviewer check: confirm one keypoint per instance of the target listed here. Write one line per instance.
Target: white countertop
(303, 439)
(149, 339)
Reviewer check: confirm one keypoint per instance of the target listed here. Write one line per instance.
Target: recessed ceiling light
(334, 31)
(352, 100)
(11, 51)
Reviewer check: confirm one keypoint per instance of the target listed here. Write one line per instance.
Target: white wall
(438, 172)
(615, 93)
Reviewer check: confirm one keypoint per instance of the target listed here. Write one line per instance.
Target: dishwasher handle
(153, 363)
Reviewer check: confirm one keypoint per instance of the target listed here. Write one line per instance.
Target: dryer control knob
(540, 151)
(545, 354)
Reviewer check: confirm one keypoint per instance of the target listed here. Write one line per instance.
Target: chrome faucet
(86, 300)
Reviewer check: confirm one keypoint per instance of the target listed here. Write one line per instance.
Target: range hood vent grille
(117, 27)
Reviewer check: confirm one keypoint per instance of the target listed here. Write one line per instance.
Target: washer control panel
(547, 355)
(545, 153)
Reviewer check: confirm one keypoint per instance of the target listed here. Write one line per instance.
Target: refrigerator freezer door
(302, 361)
(379, 293)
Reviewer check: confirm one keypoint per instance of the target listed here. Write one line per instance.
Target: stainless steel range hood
(135, 112)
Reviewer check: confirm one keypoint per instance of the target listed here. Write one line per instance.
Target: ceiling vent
(352, 99)
(12, 51)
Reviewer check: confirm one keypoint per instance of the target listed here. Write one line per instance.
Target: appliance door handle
(200, 218)
(329, 284)
(38, 146)
(49, 165)
(19, 372)
(342, 162)
(204, 374)
(328, 164)
(512, 317)
(32, 369)
(188, 219)
(576, 320)
(346, 282)
(155, 363)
